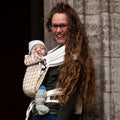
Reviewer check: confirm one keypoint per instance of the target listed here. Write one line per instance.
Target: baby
(37, 49)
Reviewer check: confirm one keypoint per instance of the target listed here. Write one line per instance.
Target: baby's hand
(36, 56)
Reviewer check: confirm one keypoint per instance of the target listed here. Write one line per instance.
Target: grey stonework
(101, 19)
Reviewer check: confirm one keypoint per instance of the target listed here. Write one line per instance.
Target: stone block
(81, 16)
(93, 24)
(115, 48)
(95, 45)
(78, 6)
(115, 106)
(99, 72)
(115, 74)
(115, 34)
(96, 111)
(70, 2)
(104, 5)
(107, 105)
(114, 6)
(105, 33)
(106, 74)
(92, 7)
(47, 7)
(93, 29)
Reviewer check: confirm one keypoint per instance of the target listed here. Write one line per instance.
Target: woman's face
(60, 27)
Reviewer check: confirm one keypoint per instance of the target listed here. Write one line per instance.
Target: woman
(76, 76)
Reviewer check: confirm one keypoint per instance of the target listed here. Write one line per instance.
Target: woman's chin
(60, 41)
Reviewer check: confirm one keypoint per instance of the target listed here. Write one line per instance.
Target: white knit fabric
(32, 103)
(55, 57)
(35, 42)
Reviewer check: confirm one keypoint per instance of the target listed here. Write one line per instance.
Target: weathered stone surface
(48, 39)
(115, 6)
(93, 29)
(92, 7)
(107, 105)
(70, 2)
(99, 70)
(95, 45)
(115, 106)
(81, 16)
(93, 24)
(115, 74)
(78, 5)
(104, 5)
(47, 6)
(115, 34)
(115, 48)
(106, 74)
(95, 111)
(105, 33)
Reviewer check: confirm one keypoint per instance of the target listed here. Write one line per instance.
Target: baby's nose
(39, 49)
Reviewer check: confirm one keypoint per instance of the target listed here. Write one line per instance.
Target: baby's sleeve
(32, 59)
(27, 60)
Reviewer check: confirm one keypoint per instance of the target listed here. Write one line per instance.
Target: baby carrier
(33, 77)
(35, 73)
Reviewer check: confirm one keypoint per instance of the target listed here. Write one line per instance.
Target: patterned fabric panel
(30, 80)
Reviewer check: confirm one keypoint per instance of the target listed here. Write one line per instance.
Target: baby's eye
(43, 48)
(34, 49)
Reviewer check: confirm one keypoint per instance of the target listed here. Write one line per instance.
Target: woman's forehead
(59, 17)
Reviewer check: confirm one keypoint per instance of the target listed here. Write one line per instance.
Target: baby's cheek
(33, 51)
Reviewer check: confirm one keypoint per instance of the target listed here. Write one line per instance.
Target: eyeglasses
(61, 26)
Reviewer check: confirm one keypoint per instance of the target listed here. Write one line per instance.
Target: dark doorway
(15, 27)
(37, 20)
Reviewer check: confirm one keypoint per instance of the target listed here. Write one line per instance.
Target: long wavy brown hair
(78, 68)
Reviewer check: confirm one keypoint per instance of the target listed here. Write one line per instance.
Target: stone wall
(101, 19)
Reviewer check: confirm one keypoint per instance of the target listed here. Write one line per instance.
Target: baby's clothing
(40, 100)
(32, 59)
(46, 117)
(41, 94)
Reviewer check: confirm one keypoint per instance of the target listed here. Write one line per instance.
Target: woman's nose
(59, 29)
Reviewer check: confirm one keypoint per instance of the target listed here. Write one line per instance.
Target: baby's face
(38, 48)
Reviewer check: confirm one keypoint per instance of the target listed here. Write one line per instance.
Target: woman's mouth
(59, 36)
